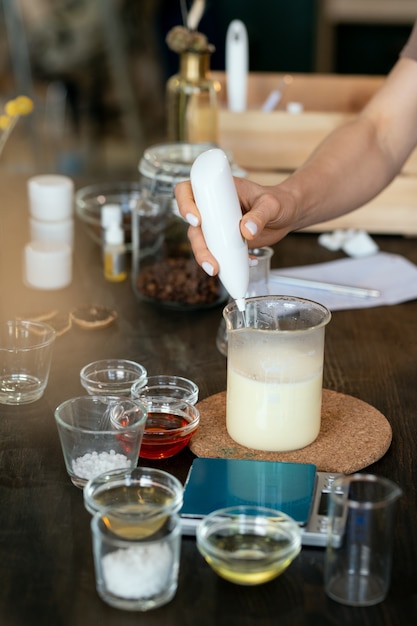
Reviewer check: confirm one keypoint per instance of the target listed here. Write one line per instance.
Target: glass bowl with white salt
(99, 433)
(135, 571)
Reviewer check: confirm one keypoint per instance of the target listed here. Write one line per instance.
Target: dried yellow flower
(22, 105)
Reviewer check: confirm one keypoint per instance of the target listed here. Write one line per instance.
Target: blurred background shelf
(97, 71)
(271, 145)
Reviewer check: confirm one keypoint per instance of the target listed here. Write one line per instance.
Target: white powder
(138, 571)
(92, 464)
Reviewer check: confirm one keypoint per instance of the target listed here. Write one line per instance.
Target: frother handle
(217, 200)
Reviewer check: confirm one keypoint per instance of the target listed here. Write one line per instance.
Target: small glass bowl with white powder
(99, 433)
(135, 571)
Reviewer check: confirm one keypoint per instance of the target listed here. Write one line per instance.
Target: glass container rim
(134, 366)
(225, 514)
(82, 195)
(50, 333)
(126, 476)
(232, 307)
(166, 381)
(339, 496)
(100, 399)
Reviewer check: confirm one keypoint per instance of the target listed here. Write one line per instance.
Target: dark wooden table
(46, 565)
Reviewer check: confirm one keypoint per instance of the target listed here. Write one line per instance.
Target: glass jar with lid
(164, 269)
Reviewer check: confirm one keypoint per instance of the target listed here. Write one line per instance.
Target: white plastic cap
(52, 231)
(114, 235)
(110, 213)
(51, 197)
(47, 264)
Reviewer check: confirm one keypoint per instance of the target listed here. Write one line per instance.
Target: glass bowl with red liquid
(169, 426)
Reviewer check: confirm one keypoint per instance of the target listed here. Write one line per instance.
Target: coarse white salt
(138, 571)
(92, 463)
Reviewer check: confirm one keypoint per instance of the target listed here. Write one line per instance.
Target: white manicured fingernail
(192, 219)
(208, 268)
(252, 227)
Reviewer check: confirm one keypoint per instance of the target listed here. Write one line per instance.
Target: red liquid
(162, 437)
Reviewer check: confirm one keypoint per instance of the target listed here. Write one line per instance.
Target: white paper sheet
(393, 275)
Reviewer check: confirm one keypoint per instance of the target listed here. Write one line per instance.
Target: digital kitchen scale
(296, 489)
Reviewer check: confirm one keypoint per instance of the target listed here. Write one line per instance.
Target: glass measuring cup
(275, 372)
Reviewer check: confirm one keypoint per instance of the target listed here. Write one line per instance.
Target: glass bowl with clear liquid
(248, 544)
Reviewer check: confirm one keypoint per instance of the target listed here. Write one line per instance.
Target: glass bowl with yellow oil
(148, 495)
(248, 544)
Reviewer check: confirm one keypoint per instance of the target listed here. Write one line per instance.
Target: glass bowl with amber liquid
(150, 495)
(169, 426)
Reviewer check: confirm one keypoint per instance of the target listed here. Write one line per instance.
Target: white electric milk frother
(217, 200)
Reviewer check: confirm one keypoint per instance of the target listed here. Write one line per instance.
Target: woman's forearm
(330, 183)
(358, 160)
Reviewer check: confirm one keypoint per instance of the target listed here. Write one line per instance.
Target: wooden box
(269, 145)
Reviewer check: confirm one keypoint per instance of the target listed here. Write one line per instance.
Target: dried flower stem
(195, 14)
(7, 132)
(22, 105)
(184, 11)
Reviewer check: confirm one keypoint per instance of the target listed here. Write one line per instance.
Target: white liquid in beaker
(279, 410)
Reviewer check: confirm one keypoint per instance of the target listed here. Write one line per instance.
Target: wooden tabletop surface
(46, 564)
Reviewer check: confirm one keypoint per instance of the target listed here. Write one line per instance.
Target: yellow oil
(133, 525)
(150, 497)
(114, 267)
(138, 512)
(249, 559)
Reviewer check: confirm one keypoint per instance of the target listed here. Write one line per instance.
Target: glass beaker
(358, 569)
(275, 372)
(258, 286)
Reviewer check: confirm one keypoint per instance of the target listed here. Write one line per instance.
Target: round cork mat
(352, 436)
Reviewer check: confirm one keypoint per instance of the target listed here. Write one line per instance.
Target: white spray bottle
(218, 203)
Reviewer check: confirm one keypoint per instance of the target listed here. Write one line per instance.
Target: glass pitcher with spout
(275, 372)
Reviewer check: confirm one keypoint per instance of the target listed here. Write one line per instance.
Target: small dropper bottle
(109, 213)
(114, 253)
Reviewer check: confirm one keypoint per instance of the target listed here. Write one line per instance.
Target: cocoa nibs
(178, 280)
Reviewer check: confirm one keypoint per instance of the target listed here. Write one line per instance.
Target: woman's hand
(267, 215)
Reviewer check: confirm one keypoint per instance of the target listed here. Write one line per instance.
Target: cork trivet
(353, 435)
